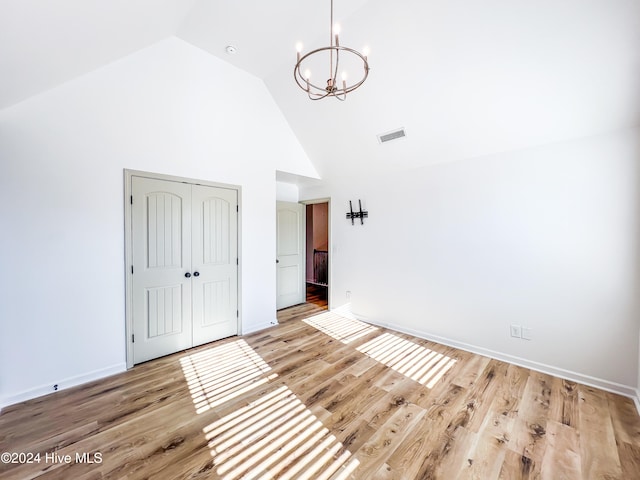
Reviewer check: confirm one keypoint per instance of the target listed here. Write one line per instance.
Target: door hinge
(237, 313)
(131, 199)
(131, 269)
(133, 338)
(237, 261)
(237, 208)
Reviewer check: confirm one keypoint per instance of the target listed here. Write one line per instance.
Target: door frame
(128, 246)
(326, 200)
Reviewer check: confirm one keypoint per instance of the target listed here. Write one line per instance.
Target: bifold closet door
(215, 258)
(185, 272)
(161, 221)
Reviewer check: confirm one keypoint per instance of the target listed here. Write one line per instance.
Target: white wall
(286, 192)
(170, 108)
(546, 238)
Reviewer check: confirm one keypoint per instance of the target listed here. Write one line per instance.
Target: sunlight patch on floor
(276, 436)
(408, 358)
(220, 373)
(341, 328)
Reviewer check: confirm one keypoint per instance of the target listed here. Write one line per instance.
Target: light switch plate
(516, 331)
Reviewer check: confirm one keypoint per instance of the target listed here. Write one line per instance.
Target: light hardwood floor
(325, 397)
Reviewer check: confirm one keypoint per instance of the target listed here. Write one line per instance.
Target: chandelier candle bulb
(298, 50)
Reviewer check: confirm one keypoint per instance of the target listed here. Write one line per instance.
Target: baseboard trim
(62, 384)
(261, 326)
(590, 381)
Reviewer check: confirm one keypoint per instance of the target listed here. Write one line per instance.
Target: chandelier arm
(302, 82)
(319, 97)
(366, 69)
(316, 92)
(311, 87)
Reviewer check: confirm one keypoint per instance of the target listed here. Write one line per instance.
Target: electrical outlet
(55, 387)
(516, 331)
(348, 294)
(527, 333)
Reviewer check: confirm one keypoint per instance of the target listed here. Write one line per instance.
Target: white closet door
(290, 255)
(161, 231)
(214, 263)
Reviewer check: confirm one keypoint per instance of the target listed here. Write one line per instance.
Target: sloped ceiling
(464, 78)
(44, 43)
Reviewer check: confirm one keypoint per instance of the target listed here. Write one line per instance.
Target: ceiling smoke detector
(393, 135)
(231, 50)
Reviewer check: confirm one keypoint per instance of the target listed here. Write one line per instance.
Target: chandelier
(338, 59)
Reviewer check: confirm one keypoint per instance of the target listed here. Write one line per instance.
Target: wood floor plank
(386, 472)
(561, 459)
(529, 432)
(327, 399)
(374, 453)
(629, 459)
(497, 427)
(519, 467)
(469, 372)
(598, 450)
(437, 443)
(623, 415)
(483, 392)
(484, 458)
(507, 398)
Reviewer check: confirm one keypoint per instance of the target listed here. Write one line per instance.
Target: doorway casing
(128, 247)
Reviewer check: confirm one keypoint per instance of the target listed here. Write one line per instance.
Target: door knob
(196, 274)
(188, 275)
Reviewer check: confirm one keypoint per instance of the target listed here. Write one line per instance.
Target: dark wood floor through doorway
(318, 295)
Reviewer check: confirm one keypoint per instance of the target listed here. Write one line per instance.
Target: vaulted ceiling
(464, 78)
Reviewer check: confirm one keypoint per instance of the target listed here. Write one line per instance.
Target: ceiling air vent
(387, 137)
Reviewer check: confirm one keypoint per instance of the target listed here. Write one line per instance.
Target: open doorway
(317, 254)
(302, 259)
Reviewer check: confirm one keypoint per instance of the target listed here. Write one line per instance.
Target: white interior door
(214, 263)
(161, 219)
(184, 265)
(290, 260)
